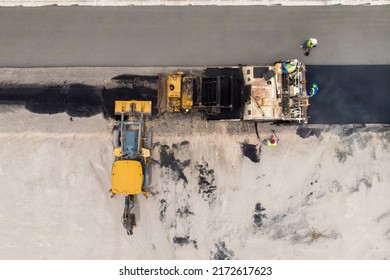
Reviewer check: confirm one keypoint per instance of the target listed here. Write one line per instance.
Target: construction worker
(272, 141)
(313, 90)
(309, 44)
(289, 66)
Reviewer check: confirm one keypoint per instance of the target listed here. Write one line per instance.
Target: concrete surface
(35, 3)
(191, 36)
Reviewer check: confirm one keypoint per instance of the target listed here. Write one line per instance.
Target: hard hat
(314, 41)
(272, 141)
(314, 85)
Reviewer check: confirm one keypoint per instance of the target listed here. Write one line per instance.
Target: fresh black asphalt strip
(347, 95)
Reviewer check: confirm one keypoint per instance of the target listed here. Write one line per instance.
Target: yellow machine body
(118, 152)
(134, 106)
(145, 153)
(174, 92)
(187, 93)
(127, 177)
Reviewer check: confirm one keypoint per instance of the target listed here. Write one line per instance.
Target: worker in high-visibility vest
(310, 43)
(272, 141)
(289, 66)
(313, 90)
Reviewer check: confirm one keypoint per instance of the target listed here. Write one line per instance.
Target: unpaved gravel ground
(321, 194)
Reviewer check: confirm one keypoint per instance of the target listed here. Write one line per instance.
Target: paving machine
(131, 171)
(253, 93)
(276, 92)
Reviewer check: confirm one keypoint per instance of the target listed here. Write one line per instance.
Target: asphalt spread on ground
(350, 94)
(347, 95)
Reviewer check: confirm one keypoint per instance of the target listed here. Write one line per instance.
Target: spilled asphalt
(350, 94)
(79, 100)
(251, 151)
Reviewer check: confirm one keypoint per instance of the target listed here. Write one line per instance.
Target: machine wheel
(117, 139)
(147, 177)
(148, 140)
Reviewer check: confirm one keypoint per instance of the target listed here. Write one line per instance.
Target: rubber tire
(117, 140)
(147, 180)
(148, 140)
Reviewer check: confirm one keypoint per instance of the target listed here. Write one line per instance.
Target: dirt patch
(168, 160)
(181, 240)
(313, 235)
(282, 230)
(305, 132)
(259, 215)
(181, 144)
(206, 182)
(387, 234)
(222, 253)
(365, 181)
(362, 182)
(363, 140)
(383, 216)
(184, 212)
(343, 154)
(185, 240)
(346, 131)
(163, 209)
(336, 186)
(250, 151)
(307, 198)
